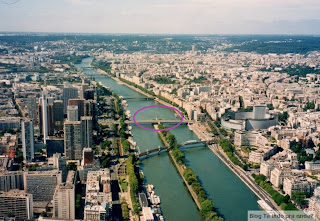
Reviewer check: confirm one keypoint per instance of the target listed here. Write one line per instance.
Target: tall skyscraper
(73, 139)
(27, 131)
(84, 87)
(68, 93)
(64, 199)
(32, 108)
(50, 119)
(44, 117)
(80, 104)
(87, 131)
(60, 163)
(17, 202)
(87, 156)
(89, 94)
(40, 117)
(54, 145)
(90, 109)
(73, 114)
(58, 117)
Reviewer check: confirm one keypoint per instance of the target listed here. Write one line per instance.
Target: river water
(230, 196)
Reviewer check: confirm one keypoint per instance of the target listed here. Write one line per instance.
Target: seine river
(230, 196)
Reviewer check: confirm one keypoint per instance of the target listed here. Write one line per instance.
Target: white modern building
(256, 119)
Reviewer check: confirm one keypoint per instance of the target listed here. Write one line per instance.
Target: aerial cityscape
(151, 125)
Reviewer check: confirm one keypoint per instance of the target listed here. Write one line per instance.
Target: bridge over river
(137, 98)
(157, 121)
(185, 145)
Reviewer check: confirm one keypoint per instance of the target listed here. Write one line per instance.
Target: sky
(162, 16)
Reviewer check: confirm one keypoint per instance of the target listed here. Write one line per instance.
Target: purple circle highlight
(157, 105)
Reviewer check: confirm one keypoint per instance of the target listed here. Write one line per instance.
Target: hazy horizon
(191, 17)
(151, 34)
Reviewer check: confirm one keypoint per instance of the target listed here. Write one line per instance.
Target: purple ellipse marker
(157, 105)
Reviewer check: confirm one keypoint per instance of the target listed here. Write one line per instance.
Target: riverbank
(201, 133)
(204, 204)
(242, 175)
(179, 169)
(119, 81)
(238, 171)
(122, 82)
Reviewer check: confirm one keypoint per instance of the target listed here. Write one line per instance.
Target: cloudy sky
(162, 16)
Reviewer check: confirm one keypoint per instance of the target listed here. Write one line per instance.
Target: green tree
(125, 145)
(19, 156)
(206, 207)
(43, 214)
(78, 201)
(299, 198)
(105, 144)
(125, 211)
(72, 166)
(33, 167)
(309, 106)
(282, 117)
(104, 160)
(10, 214)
